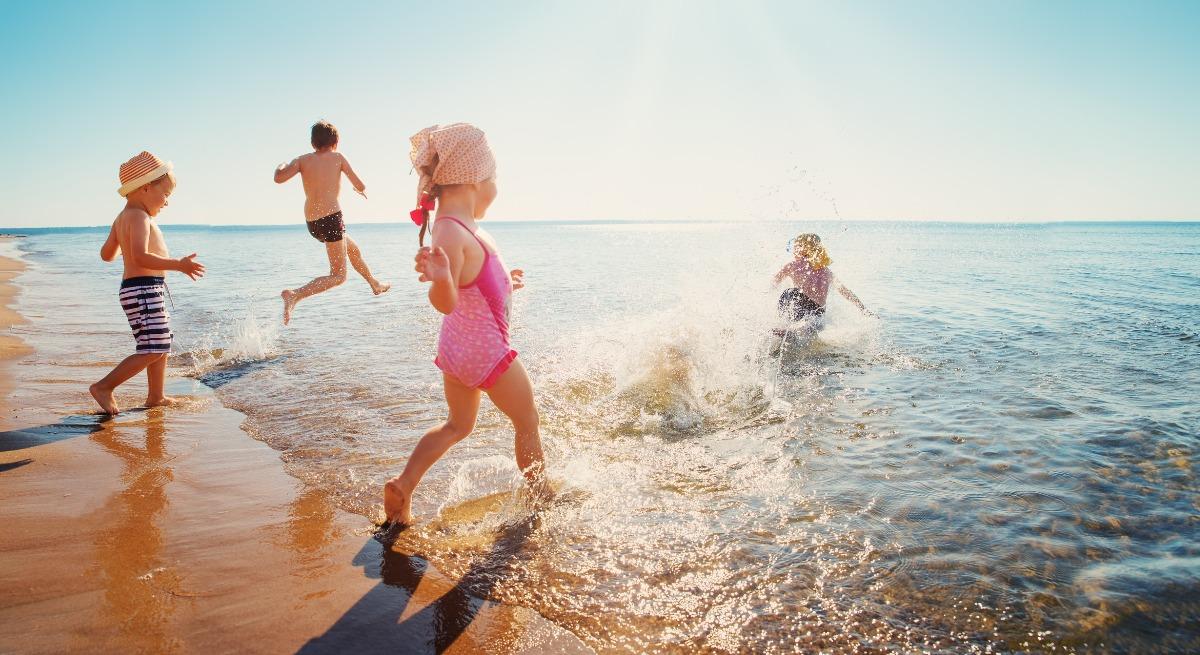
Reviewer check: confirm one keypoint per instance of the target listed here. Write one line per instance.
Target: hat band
(141, 180)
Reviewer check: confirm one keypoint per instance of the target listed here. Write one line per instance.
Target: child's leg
(336, 250)
(464, 406)
(356, 260)
(156, 377)
(102, 391)
(513, 395)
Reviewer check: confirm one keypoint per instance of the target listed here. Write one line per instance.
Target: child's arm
(139, 242)
(435, 267)
(442, 265)
(849, 295)
(783, 272)
(358, 184)
(112, 245)
(285, 172)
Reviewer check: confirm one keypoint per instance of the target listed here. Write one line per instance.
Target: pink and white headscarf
(451, 154)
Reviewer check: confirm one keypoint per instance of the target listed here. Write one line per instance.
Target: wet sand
(173, 531)
(10, 346)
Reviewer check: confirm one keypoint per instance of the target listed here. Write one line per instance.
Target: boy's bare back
(321, 173)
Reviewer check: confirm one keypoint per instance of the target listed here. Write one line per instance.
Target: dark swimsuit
(329, 229)
(795, 306)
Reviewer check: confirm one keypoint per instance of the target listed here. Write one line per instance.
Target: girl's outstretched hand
(518, 278)
(433, 265)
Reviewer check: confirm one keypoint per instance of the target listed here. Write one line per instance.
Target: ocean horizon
(167, 224)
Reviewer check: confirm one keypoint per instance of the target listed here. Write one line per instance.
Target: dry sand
(171, 530)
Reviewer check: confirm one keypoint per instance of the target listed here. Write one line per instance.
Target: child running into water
(471, 287)
(321, 171)
(146, 184)
(810, 274)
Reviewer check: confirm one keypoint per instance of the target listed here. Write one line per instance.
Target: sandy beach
(173, 531)
(10, 346)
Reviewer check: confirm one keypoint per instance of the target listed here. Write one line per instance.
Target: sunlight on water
(1005, 461)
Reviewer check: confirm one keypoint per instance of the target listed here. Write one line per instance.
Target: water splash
(238, 342)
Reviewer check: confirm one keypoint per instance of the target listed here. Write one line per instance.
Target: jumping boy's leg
(356, 260)
(336, 250)
(102, 391)
(464, 407)
(156, 377)
(513, 395)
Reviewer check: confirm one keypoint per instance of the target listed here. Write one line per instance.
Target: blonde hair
(814, 252)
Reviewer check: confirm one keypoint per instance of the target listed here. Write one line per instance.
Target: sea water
(1003, 460)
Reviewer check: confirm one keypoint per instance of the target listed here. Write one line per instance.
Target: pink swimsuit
(473, 344)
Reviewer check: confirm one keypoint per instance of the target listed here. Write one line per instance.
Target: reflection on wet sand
(137, 583)
(311, 534)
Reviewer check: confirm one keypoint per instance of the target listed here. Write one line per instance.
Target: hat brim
(142, 180)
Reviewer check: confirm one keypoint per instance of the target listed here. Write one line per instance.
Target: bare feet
(165, 401)
(387, 532)
(397, 503)
(380, 287)
(104, 397)
(289, 303)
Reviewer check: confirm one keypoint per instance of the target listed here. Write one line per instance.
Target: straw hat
(142, 169)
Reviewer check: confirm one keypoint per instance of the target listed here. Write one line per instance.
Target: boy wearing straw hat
(146, 183)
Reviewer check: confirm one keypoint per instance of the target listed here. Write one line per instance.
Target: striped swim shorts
(144, 302)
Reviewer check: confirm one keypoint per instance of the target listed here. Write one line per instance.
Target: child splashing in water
(811, 277)
(471, 287)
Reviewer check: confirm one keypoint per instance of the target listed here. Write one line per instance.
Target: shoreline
(172, 530)
(11, 347)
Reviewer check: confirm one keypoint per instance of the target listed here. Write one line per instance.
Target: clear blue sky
(977, 111)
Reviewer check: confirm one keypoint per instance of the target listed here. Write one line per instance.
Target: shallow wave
(1006, 462)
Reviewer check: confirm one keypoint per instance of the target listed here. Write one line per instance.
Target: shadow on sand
(15, 465)
(75, 425)
(377, 622)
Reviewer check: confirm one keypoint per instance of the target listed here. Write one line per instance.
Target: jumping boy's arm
(139, 243)
(285, 172)
(358, 184)
(112, 245)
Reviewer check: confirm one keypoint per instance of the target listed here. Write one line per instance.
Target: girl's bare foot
(380, 287)
(289, 302)
(104, 397)
(397, 503)
(165, 401)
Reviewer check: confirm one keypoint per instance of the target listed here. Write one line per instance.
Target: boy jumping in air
(321, 171)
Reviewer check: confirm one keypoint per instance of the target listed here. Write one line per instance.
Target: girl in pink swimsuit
(472, 289)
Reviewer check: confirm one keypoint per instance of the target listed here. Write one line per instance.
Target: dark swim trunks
(329, 229)
(144, 302)
(794, 305)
